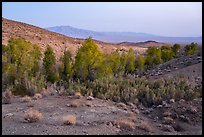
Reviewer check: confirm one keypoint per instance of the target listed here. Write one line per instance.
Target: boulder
(159, 106)
(171, 100)
(90, 98)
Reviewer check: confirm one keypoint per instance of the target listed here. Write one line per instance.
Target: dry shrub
(37, 96)
(75, 104)
(124, 123)
(77, 95)
(6, 97)
(145, 126)
(26, 99)
(69, 120)
(51, 90)
(32, 116)
(45, 92)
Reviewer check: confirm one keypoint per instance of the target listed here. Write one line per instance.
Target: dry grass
(45, 92)
(37, 96)
(69, 120)
(75, 104)
(6, 97)
(145, 126)
(26, 99)
(124, 123)
(32, 116)
(77, 95)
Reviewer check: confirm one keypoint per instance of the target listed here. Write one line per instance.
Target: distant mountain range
(117, 37)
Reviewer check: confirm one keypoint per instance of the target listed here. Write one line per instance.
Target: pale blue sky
(166, 19)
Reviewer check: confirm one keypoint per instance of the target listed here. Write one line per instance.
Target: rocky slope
(57, 41)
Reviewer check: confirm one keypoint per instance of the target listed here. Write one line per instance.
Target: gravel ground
(98, 118)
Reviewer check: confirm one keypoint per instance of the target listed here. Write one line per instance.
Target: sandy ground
(99, 117)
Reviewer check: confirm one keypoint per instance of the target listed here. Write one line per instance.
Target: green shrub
(131, 89)
(191, 49)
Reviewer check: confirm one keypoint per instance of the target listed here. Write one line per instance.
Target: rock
(146, 112)
(141, 107)
(9, 115)
(84, 131)
(159, 125)
(154, 106)
(90, 98)
(68, 105)
(88, 104)
(155, 119)
(167, 128)
(164, 103)
(116, 99)
(166, 114)
(181, 100)
(171, 100)
(184, 119)
(151, 109)
(136, 111)
(192, 110)
(159, 106)
(121, 105)
(110, 124)
(131, 105)
(168, 120)
(125, 108)
(174, 115)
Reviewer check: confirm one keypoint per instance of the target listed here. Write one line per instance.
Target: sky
(176, 19)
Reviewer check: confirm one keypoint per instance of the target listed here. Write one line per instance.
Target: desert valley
(69, 81)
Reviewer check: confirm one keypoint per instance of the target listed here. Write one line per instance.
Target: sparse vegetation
(93, 73)
(77, 95)
(124, 122)
(33, 116)
(26, 99)
(191, 49)
(75, 104)
(37, 96)
(69, 120)
(6, 97)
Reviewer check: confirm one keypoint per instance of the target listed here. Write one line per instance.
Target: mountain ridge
(118, 37)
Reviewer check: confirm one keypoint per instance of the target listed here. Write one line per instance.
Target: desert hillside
(57, 41)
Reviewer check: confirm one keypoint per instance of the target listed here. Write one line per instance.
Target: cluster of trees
(22, 59)
(191, 49)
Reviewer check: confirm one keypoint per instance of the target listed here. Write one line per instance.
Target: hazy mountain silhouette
(117, 37)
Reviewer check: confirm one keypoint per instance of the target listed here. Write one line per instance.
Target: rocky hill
(57, 41)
